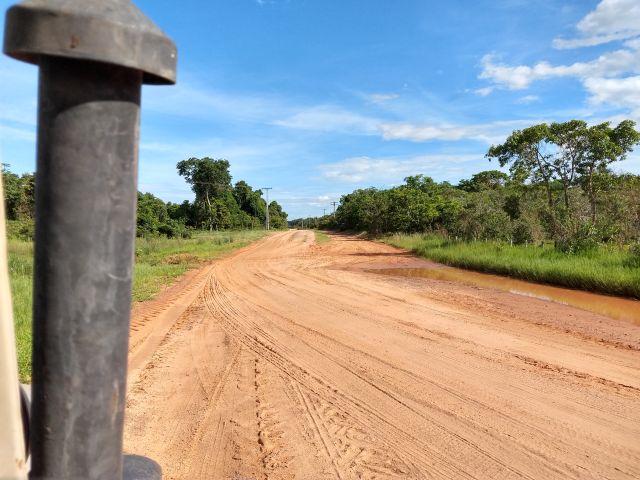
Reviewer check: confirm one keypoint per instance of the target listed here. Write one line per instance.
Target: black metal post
(85, 211)
(94, 56)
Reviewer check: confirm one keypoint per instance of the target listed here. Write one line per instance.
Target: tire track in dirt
(222, 307)
(279, 362)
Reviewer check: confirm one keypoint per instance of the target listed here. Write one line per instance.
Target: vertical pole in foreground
(94, 56)
(267, 215)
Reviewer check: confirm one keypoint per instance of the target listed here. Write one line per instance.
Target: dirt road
(290, 360)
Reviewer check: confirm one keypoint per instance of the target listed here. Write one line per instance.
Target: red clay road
(289, 360)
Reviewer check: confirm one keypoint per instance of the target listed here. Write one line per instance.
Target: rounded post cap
(110, 31)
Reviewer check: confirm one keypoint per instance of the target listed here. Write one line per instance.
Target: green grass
(158, 262)
(321, 237)
(20, 276)
(606, 270)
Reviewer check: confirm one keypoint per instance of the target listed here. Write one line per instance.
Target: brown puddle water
(613, 307)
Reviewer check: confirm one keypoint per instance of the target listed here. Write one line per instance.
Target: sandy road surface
(288, 360)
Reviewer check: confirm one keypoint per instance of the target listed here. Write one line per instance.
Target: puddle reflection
(613, 307)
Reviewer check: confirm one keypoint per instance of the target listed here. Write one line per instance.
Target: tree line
(218, 204)
(560, 188)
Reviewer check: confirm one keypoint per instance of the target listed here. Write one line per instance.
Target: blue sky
(318, 97)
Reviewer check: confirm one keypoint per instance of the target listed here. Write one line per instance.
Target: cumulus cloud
(610, 64)
(611, 20)
(610, 79)
(621, 92)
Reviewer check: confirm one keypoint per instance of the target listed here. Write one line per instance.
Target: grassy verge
(606, 270)
(321, 237)
(20, 276)
(158, 262)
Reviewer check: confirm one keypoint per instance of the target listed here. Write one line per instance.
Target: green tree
(570, 140)
(248, 200)
(208, 178)
(151, 214)
(490, 179)
(527, 154)
(19, 194)
(605, 146)
(277, 216)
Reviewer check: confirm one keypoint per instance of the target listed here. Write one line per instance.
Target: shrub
(20, 229)
(584, 239)
(522, 233)
(174, 229)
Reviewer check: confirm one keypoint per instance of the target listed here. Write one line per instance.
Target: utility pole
(267, 216)
(324, 212)
(334, 207)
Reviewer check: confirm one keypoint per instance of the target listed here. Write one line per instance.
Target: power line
(267, 216)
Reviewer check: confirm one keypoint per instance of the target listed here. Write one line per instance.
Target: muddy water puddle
(613, 307)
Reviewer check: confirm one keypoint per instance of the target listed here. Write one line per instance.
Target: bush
(522, 233)
(174, 229)
(583, 240)
(20, 229)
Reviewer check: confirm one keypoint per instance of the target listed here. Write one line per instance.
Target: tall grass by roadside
(158, 261)
(609, 270)
(20, 277)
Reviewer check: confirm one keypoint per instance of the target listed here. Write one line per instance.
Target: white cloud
(483, 92)
(394, 169)
(564, 44)
(527, 99)
(192, 101)
(610, 64)
(381, 97)
(421, 133)
(609, 79)
(622, 92)
(488, 133)
(611, 20)
(328, 118)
